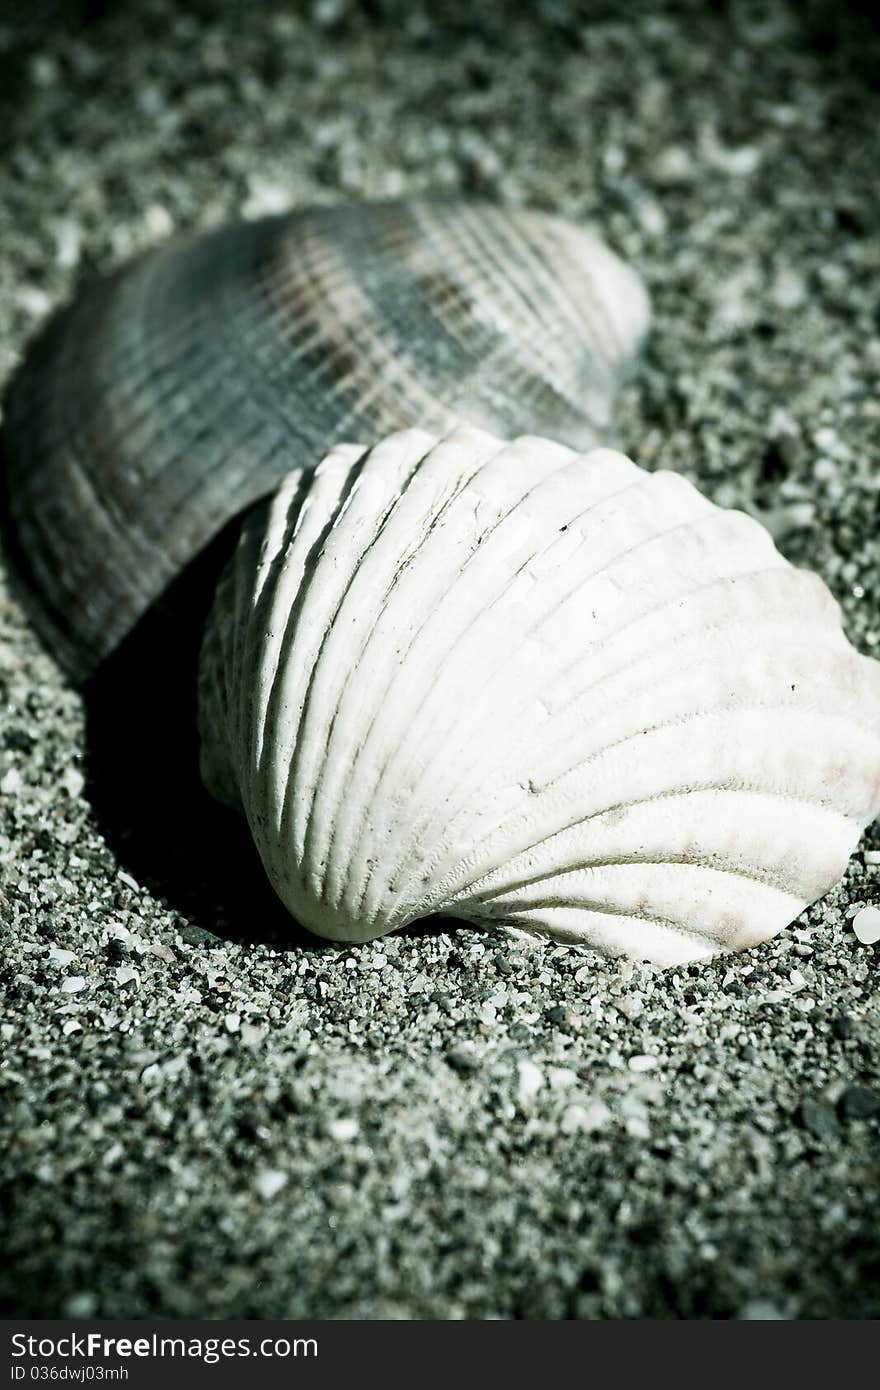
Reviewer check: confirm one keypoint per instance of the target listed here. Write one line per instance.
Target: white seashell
(516, 685)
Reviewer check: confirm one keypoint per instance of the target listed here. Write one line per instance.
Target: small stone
(265, 197)
(530, 1079)
(761, 1310)
(158, 221)
(642, 1062)
(67, 244)
(232, 1022)
(819, 1118)
(80, 1305)
(674, 165)
(630, 1005)
(343, 1130)
(269, 1183)
(789, 289)
(843, 1027)
(35, 303)
(73, 782)
(585, 1119)
(866, 925)
(71, 1026)
(561, 1078)
(462, 1059)
(11, 781)
(637, 1127)
(740, 160)
(198, 936)
(73, 984)
(61, 957)
(129, 882)
(859, 1103)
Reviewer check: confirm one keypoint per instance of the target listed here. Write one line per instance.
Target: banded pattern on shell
(168, 398)
(516, 685)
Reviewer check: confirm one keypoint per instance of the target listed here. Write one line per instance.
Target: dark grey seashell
(169, 397)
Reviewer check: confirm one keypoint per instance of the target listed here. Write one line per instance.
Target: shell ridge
(477, 769)
(283, 686)
(398, 675)
(514, 845)
(419, 443)
(510, 232)
(374, 556)
(398, 683)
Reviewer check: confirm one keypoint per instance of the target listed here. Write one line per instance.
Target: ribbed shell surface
(169, 397)
(516, 685)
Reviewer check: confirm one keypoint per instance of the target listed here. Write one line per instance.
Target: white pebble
(158, 221)
(789, 290)
(80, 1305)
(530, 1079)
(233, 1022)
(561, 1078)
(73, 984)
(637, 1127)
(61, 957)
(585, 1119)
(642, 1062)
(343, 1130)
(760, 1310)
(11, 781)
(67, 245)
(35, 303)
(741, 160)
(269, 1183)
(674, 165)
(630, 1005)
(71, 1026)
(265, 197)
(866, 925)
(872, 856)
(73, 781)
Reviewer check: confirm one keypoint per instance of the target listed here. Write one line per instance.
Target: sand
(204, 1115)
